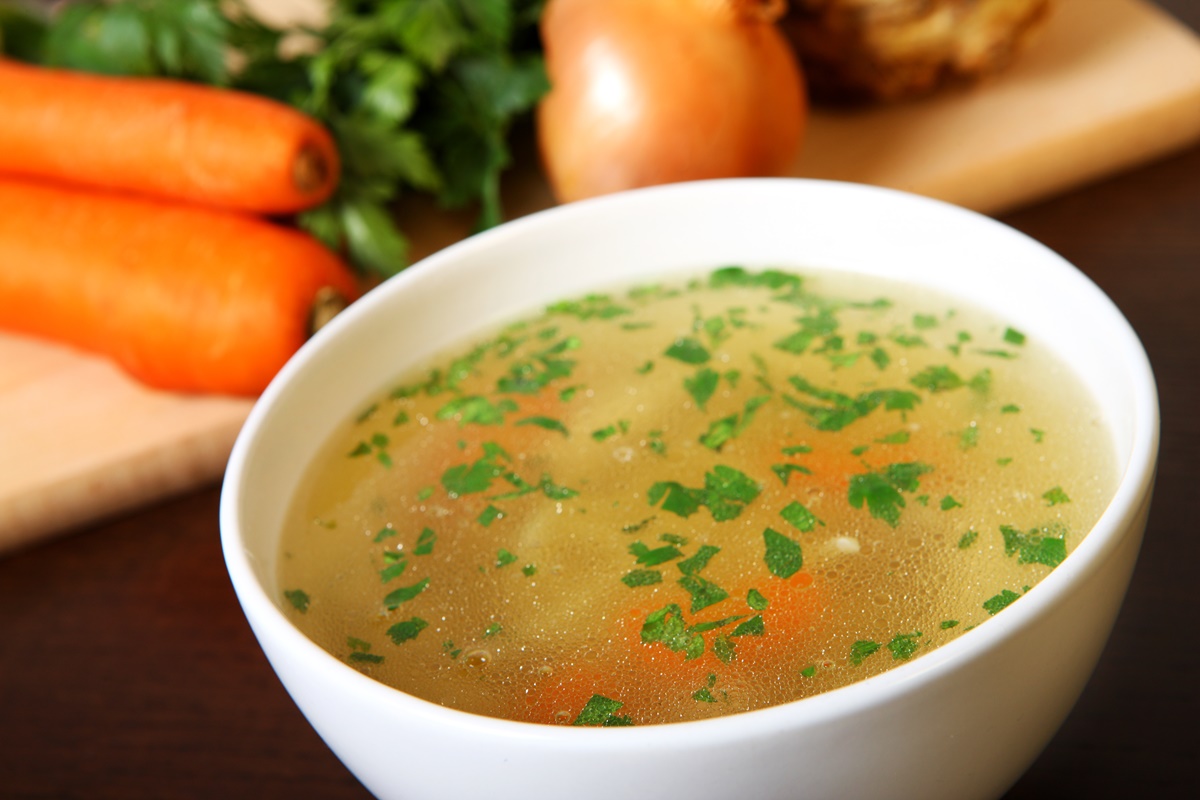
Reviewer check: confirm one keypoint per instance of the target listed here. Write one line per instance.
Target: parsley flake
(800, 517)
(298, 598)
(704, 593)
(903, 645)
(860, 650)
(1055, 496)
(394, 599)
(641, 577)
(994, 605)
(688, 350)
(599, 711)
(546, 423)
(783, 556)
(881, 490)
(1046, 545)
(407, 630)
(701, 386)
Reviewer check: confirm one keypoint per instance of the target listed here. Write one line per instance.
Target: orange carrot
(164, 138)
(182, 297)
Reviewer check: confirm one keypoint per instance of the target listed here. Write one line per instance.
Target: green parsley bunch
(419, 94)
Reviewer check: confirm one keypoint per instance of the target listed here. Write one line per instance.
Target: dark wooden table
(128, 671)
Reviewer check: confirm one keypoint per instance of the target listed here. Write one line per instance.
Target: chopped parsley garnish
(994, 605)
(948, 502)
(600, 712)
(392, 571)
(298, 598)
(881, 490)
(490, 515)
(809, 671)
(504, 558)
(704, 696)
(755, 600)
(492, 630)
(592, 306)
(547, 423)
(800, 517)
(366, 658)
(1013, 336)
(702, 385)
(947, 624)
(477, 476)
(385, 532)
(648, 557)
(783, 556)
(899, 437)
(407, 630)
(903, 645)
(704, 593)
(784, 471)
(688, 350)
(751, 627)
(1039, 435)
(726, 492)
(722, 430)
(476, 409)
(425, 542)
(967, 539)
(697, 562)
(641, 577)
(1038, 546)
(667, 627)
(378, 445)
(529, 570)
(1055, 496)
(608, 431)
(861, 649)
(844, 409)
(395, 598)
(937, 379)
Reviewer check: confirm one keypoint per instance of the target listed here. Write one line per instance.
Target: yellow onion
(645, 92)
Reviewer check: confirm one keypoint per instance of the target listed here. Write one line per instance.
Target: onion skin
(645, 92)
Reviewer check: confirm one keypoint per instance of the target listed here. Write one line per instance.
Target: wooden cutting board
(1109, 84)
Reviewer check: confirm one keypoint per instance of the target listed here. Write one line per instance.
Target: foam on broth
(671, 503)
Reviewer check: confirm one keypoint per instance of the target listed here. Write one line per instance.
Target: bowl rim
(1132, 492)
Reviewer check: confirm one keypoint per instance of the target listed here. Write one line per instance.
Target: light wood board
(1108, 85)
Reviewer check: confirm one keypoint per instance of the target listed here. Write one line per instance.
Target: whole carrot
(165, 138)
(183, 298)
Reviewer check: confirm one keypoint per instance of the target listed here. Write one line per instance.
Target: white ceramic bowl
(963, 721)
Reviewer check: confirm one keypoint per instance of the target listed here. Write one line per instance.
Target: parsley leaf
(704, 593)
(783, 556)
(994, 605)
(394, 599)
(726, 492)
(298, 598)
(702, 385)
(688, 350)
(407, 630)
(1038, 546)
(861, 649)
(800, 517)
(881, 490)
(599, 711)
(666, 626)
